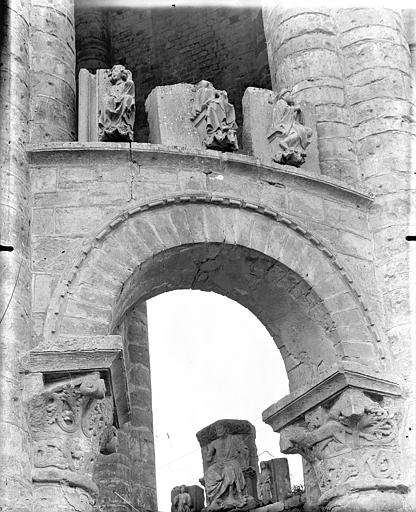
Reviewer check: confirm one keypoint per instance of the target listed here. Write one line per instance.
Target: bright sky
(210, 359)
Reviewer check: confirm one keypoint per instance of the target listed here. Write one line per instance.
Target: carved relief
(264, 486)
(350, 442)
(182, 502)
(71, 422)
(227, 465)
(117, 107)
(288, 135)
(217, 116)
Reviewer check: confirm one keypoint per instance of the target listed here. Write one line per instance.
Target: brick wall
(168, 46)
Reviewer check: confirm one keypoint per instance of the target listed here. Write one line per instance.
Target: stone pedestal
(348, 429)
(169, 112)
(76, 397)
(257, 113)
(229, 450)
(281, 487)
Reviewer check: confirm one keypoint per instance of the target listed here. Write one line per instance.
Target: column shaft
(53, 115)
(92, 39)
(15, 280)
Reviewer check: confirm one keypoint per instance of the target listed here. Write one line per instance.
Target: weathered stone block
(257, 111)
(43, 179)
(43, 221)
(43, 285)
(169, 111)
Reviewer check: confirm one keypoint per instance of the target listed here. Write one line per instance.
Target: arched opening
(210, 359)
(278, 271)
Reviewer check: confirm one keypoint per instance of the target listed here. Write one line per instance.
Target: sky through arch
(210, 358)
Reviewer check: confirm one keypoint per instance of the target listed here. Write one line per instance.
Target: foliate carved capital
(71, 422)
(351, 442)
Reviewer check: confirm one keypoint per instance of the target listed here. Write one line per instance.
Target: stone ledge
(248, 163)
(291, 407)
(92, 353)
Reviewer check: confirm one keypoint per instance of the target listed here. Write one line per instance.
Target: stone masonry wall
(76, 192)
(167, 46)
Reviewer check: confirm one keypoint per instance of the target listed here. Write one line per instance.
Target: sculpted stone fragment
(288, 135)
(71, 423)
(265, 484)
(212, 108)
(227, 465)
(181, 501)
(116, 116)
(351, 445)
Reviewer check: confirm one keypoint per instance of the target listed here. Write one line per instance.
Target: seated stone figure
(116, 117)
(212, 106)
(224, 480)
(288, 134)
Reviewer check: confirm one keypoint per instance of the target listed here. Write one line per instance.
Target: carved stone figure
(116, 116)
(226, 462)
(211, 106)
(265, 484)
(182, 501)
(288, 134)
(71, 422)
(351, 442)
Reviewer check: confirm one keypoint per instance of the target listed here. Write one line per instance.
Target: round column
(15, 280)
(304, 56)
(53, 114)
(379, 84)
(92, 39)
(131, 471)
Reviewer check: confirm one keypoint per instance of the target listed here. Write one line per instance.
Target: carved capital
(71, 422)
(351, 443)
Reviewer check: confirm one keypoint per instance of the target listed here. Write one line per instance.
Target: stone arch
(105, 279)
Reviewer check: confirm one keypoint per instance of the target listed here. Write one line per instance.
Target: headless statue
(288, 134)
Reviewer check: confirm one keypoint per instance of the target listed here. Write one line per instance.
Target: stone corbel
(77, 395)
(347, 429)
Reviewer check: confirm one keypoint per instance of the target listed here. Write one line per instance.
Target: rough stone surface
(169, 110)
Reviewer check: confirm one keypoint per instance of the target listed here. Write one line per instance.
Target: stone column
(71, 421)
(53, 115)
(349, 433)
(304, 56)
(15, 276)
(379, 85)
(131, 471)
(92, 39)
